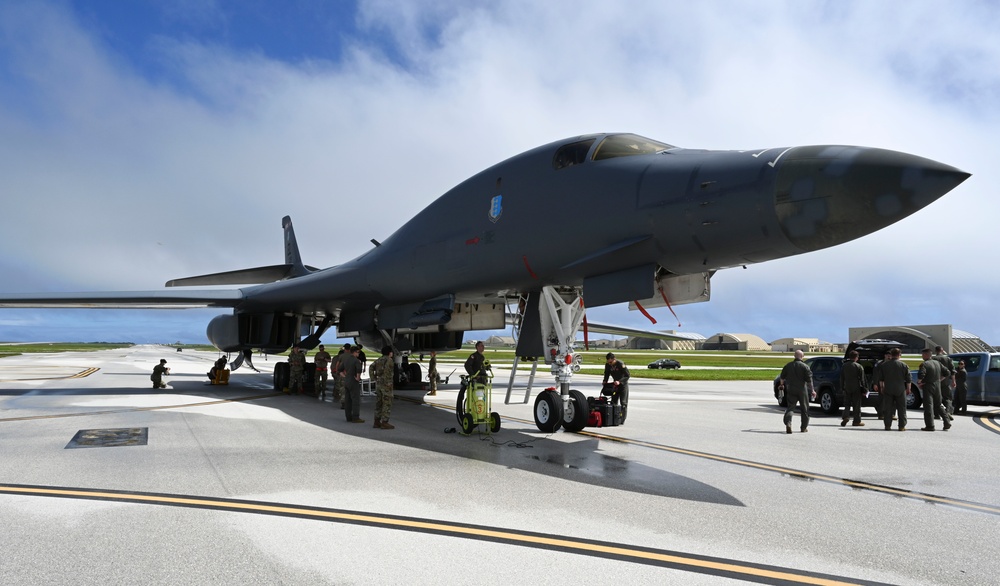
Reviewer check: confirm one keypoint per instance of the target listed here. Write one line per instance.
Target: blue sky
(144, 141)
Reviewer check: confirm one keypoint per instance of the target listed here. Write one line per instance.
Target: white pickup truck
(983, 381)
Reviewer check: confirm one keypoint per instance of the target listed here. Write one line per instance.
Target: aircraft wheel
(309, 378)
(281, 376)
(548, 411)
(467, 424)
(460, 405)
(577, 412)
(494, 422)
(413, 373)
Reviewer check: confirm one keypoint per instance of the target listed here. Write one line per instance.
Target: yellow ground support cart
(475, 402)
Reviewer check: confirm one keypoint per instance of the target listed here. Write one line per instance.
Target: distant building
(723, 341)
(916, 338)
(692, 341)
(500, 342)
(808, 345)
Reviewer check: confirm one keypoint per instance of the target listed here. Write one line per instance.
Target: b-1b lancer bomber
(534, 240)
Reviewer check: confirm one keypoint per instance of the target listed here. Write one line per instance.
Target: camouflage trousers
(320, 381)
(338, 388)
(383, 403)
(295, 378)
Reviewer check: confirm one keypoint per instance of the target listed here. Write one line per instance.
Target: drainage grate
(109, 438)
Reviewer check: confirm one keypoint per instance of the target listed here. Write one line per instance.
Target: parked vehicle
(983, 381)
(826, 375)
(664, 363)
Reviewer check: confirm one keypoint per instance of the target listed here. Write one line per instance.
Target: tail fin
(292, 268)
(292, 257)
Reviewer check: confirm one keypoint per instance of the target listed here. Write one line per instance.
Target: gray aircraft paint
(565, 217)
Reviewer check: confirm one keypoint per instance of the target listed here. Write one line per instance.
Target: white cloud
(118, 180)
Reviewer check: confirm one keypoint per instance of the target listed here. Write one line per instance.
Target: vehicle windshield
(971, 363)
(626, 145)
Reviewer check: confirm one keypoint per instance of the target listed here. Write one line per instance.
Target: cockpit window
(625, 145)
(573, 153)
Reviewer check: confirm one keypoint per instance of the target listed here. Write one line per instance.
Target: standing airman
(382, 371)
(322, 360)
(296, 370)
(852, 381)
(929, 380)
(948, 369)
(893, 378)
(796, 377)
(432, 374)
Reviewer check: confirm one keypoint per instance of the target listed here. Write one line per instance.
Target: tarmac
(106, 480)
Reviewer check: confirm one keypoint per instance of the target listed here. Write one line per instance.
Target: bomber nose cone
(827, 195)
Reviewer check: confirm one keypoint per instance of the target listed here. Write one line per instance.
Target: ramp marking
(760, 573)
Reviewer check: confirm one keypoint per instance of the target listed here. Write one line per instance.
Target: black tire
(914, 400)
(282, 373)
(309, 378)
(460, 405)
(467, 424)
(413, 373)
(578, 412)
(828, 402)
(548, 411)
(494, 422)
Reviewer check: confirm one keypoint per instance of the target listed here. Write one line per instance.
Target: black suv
(826, 375)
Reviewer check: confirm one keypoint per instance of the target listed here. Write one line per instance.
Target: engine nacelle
(270, 333)
(224, 333)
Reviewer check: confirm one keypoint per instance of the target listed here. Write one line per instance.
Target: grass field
(14, 349)
(721, 365)
(711, 365)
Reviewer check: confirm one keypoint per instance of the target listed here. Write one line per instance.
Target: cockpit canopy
(613, 145)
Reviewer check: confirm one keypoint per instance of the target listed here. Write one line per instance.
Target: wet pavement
(236, 484)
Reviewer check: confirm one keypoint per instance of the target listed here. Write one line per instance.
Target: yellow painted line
(665, 558)
(86, 373)
(988, 421)
(8, 370)
(139, 409)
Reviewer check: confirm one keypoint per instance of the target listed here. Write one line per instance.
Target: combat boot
(387, 425)
(377, 424)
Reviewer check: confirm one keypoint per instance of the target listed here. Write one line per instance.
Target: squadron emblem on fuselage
(496, 208)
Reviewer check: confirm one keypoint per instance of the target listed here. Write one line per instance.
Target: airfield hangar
(916, 338)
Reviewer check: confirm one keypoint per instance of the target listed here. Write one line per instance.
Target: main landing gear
(561, 313)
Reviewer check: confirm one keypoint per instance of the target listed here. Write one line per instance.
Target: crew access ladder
(516, 329)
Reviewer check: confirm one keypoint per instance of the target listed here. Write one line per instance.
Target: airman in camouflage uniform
(338, 377)
(432, 374)
(158, 372)
(382, 370)
(296, 370)
(322, 360)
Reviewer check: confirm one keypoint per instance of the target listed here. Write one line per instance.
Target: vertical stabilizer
(292, 257)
